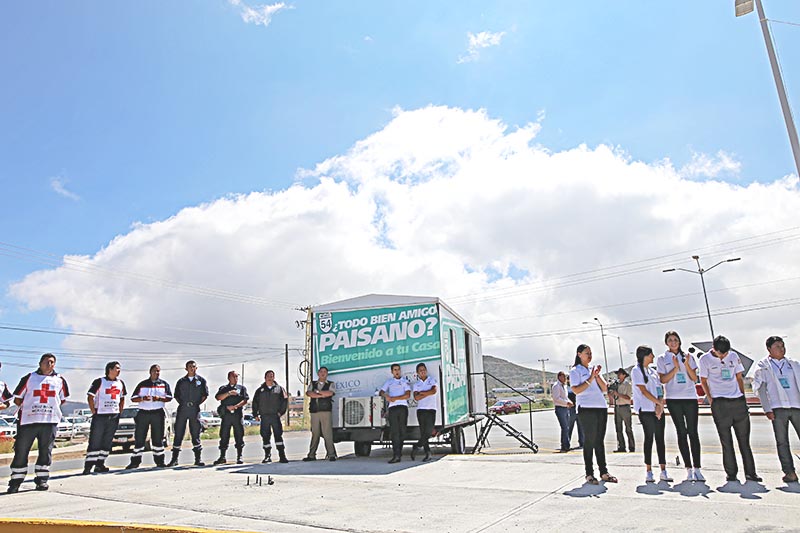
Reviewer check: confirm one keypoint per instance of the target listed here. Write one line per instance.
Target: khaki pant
(322, 426)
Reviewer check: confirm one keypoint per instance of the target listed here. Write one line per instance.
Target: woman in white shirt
(678, 372)
(648, 399)
(589, 386)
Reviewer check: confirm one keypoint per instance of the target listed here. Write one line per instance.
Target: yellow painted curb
(24, 525)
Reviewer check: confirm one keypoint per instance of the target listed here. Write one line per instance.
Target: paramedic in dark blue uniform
(270, 402)
(152, 396)
(190, 392)
(232, 397)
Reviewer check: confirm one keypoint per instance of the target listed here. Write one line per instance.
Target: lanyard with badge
(784, 381)
(727, 373)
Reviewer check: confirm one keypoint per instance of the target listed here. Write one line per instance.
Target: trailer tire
(458, 443)
(362, 448)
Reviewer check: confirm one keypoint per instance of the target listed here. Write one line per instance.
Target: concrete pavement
(485, 493)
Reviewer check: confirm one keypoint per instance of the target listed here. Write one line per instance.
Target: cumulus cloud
(58, 184)
(258, 15)
(524, 242)
(702, 165)
(479, 41)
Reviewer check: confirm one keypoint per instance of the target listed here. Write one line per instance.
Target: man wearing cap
(622, 411)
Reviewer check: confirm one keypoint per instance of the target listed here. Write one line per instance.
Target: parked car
(124, 435)
(80, 425)
(7, 431)
(504, 407)
(249, 420)
(64, 429)
(210, 420)
(85, 412)
(11, 419)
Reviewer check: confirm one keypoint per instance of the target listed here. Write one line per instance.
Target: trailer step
(492, 420)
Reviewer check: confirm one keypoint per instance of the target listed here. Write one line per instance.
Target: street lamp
(619, 345)
(743, 7)
(700, 270)
(602, 336)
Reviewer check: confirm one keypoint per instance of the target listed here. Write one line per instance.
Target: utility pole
(700, 270)
(288, 390)
(602, 336)
(544, 375)
(743, 7)
(619, 345)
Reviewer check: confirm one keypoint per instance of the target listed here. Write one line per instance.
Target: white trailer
(359, 339)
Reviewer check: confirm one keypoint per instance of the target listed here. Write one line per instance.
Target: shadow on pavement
(587, 490)
(691, 489)
(654, 489)
(791, 488)
(348, 465)
(749, 490)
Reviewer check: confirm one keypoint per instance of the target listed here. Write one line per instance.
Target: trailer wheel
(458, 442)
(362, 448)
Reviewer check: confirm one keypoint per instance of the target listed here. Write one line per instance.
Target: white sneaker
(698, 476)
(664, 476)
(690, 474)
(649, 478)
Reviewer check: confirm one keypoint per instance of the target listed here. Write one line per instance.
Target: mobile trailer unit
(359, 339)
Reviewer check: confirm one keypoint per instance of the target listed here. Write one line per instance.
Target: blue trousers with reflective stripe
(45, 435)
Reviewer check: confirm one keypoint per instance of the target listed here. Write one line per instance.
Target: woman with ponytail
(588, 385)
(678, 372)
(648, 399)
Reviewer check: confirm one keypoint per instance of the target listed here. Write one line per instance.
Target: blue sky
(142, 108)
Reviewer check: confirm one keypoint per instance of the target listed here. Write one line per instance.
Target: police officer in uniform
(39, 396)
(270, 403)
(152, 395)
(233, 398)
(106, 399)
(190, 392)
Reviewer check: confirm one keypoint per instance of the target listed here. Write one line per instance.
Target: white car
(81, 425)
(7, 431)
(210, 420)
(64, 430)
(127, 428)
(11, 419)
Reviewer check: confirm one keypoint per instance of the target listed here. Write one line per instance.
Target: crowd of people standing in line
(668, 382)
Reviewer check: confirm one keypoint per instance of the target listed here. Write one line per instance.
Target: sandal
(591, 480)
(608, 478)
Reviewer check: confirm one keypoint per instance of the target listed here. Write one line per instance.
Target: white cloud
(58, 184)
(710, 166)
(447, 202)
(479, 41)
(258, 15)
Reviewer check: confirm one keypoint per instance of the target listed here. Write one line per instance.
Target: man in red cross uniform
(39, 396)
(106, 399)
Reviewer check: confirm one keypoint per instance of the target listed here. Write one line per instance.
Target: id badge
(660, 391)
(784, 382)
(681, 378)
(727, 374)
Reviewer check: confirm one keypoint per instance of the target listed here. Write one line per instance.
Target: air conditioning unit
(361, 412)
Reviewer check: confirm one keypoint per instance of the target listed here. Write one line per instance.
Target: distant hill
(513, 374)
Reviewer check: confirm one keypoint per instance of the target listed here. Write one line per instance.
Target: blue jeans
(562, 413)
(573, 418)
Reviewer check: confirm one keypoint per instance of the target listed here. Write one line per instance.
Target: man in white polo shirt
(397, 391)
(721, 376)
(777, 380)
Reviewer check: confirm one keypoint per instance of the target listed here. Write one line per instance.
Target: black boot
(267, 455)
(41, 484)
(135, 463)
(159, 459)
(413, 452)
(101, 468)
(197, 460)
(282, 454)
(221, 460)
(87, 468)
(174, 460)
(427, 456)
(239, 456)
(13, 486)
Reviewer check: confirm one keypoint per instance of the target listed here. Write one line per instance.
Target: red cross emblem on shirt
(44, 393)
(113, 391)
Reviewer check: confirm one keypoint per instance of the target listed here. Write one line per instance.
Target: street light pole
(603, 337)
(700, 270)
(619, 345)
(743, 7)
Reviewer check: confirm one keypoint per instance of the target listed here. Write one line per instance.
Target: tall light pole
(700, 270)
(619, 345)
(544, 378)
(743, 7)
(602, 336)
